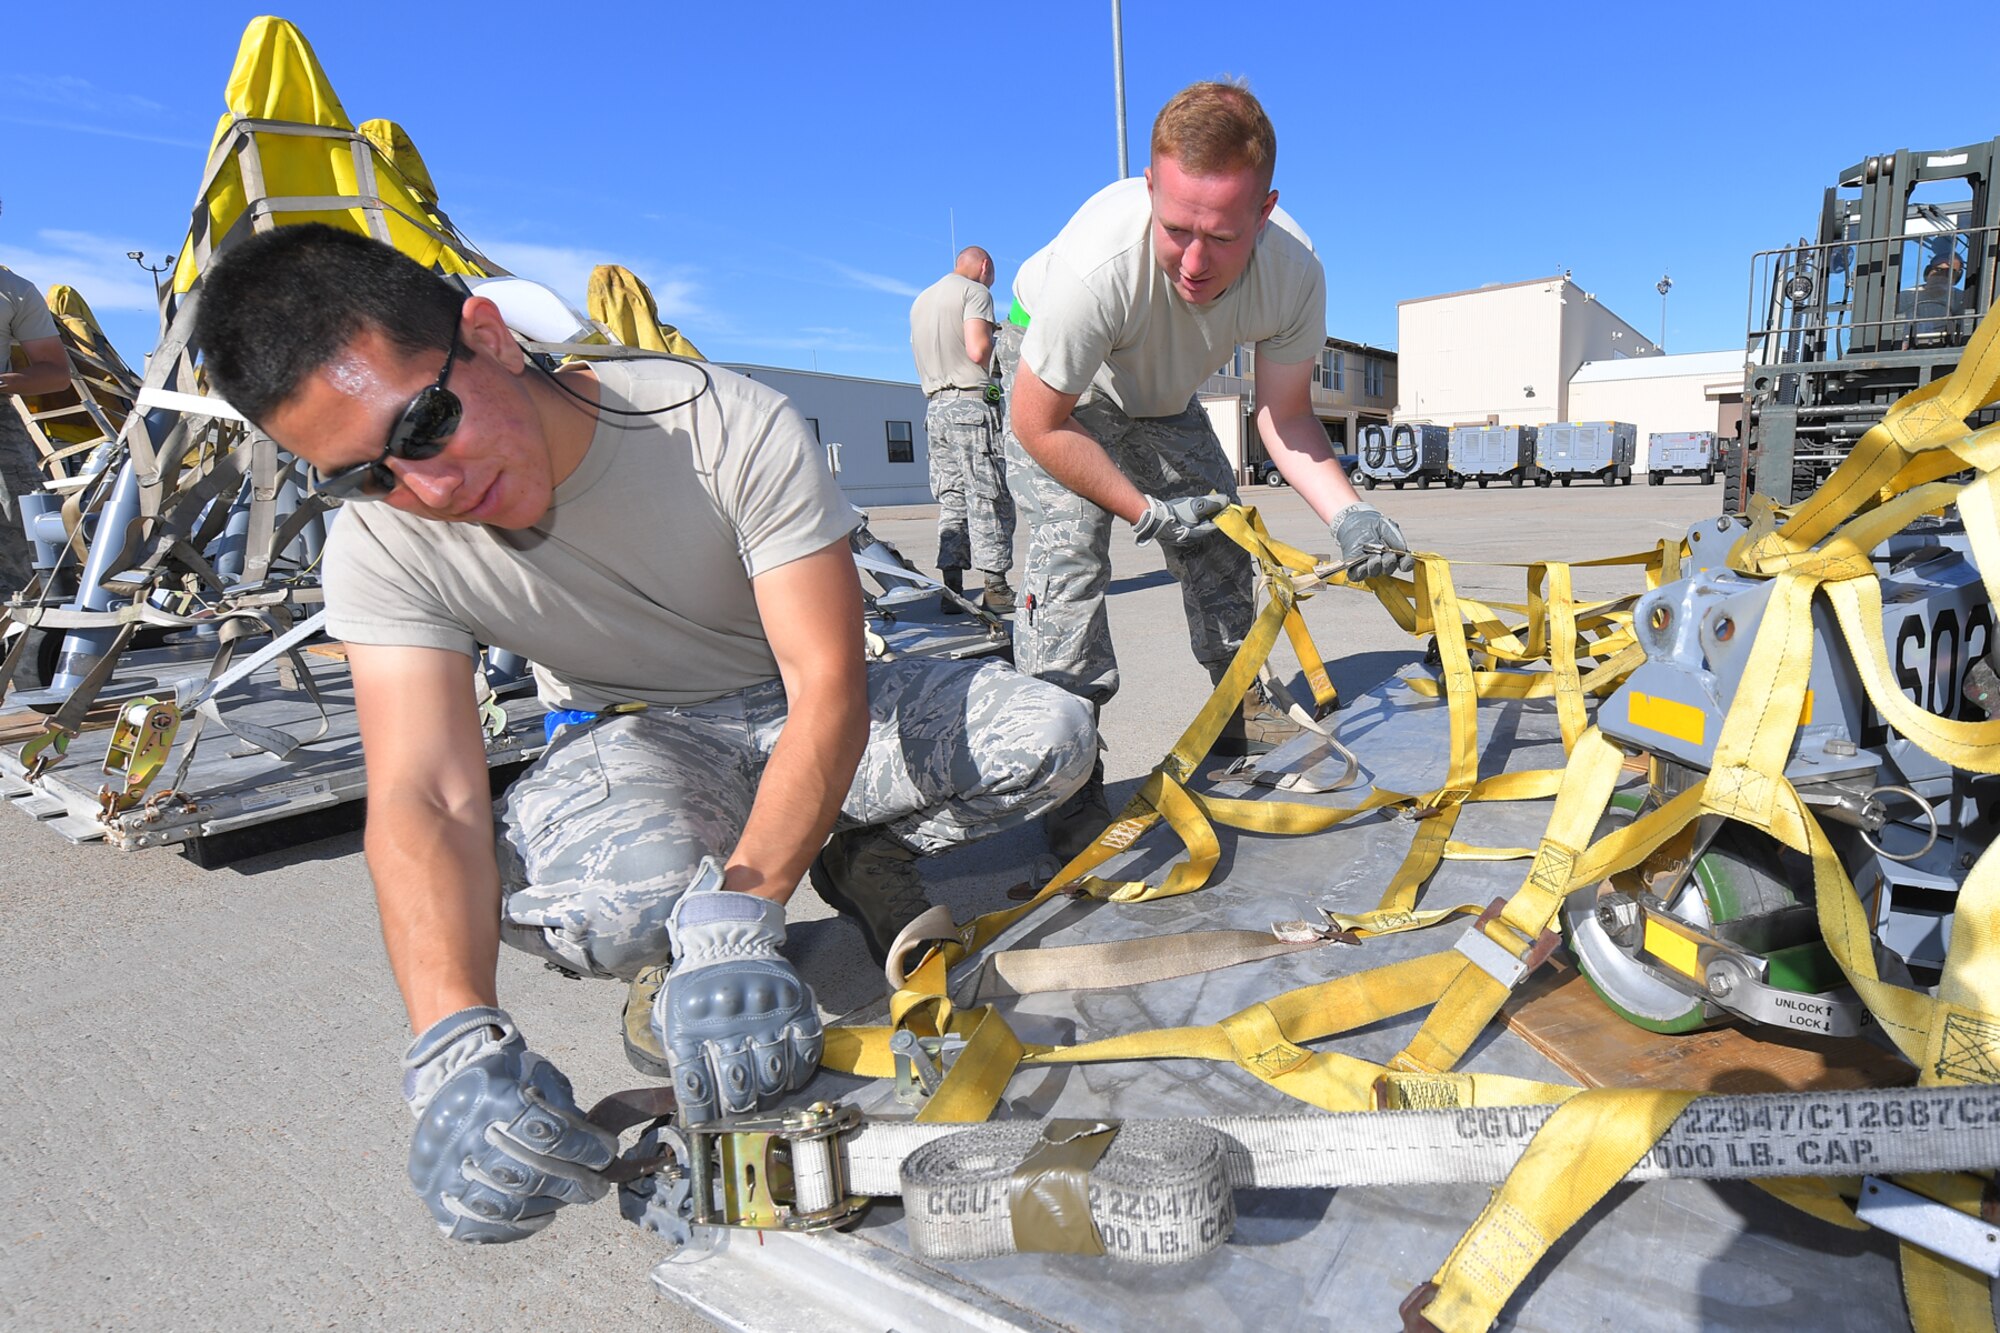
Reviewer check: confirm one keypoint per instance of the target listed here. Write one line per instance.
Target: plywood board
(1560, 1016)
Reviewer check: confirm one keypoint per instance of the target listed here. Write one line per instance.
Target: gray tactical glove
(500, 1143)
(1178, 522)
(739, 1026)
(1371, 545)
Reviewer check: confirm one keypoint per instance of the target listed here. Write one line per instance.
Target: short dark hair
(279, 305)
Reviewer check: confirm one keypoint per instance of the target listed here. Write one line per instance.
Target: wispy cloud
(874, 281)
(815, 339)
(95, 265)
(567, 270)
(77, 94)
(76, 127)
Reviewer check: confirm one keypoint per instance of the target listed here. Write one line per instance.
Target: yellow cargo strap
(1288, 574)
(1596, 1136)
(1952, 1038)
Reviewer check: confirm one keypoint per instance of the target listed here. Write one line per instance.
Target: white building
(1504, 354)
(1688, 391)
(872, 430)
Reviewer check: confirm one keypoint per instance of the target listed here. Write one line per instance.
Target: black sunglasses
(421, 431)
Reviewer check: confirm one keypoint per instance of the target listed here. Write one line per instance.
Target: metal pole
(1663, 286)
(1118, 84)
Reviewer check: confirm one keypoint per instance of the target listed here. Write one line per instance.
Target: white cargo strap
(1766, 1135)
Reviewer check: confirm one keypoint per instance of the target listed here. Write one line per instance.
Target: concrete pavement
(202, 1121)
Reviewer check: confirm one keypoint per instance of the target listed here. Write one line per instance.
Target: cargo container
(1405, 453)
(1680, 453)
(1570, 450)
(1481, 454)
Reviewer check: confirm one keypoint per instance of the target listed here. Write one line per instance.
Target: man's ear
(483, 329)
(1270, 202)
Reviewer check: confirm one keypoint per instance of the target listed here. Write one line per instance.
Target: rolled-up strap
(1158, 1194)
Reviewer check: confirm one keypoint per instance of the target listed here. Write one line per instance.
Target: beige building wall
(1503, 353)
(1353, 385)
(1226, 413)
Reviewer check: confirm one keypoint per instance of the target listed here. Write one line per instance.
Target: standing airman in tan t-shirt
(951, 340)
(1144, 294)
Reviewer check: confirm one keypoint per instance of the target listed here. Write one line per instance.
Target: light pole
(1118, 84)
(1663, 286)
(139, 257)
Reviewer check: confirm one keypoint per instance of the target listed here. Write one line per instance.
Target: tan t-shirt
(1104, 317)
(24, 315)
(636, 585)
(937, 332)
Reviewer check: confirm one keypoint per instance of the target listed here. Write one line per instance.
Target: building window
(814, 423)
(1332, 373)
(902, 445)
(1372, 370)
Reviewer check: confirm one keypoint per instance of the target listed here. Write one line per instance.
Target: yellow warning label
(1675, 950)
(1805, 713)
(1669, 717)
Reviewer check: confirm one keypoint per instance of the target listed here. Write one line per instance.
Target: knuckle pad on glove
(489, 1153)
(735, 1071)
(692, 1086)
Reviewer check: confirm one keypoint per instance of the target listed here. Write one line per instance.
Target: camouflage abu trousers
(597, 841)
(969, 479)
(1060, 630)
(20, 474)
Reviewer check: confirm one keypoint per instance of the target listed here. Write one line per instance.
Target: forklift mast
(1882, 302)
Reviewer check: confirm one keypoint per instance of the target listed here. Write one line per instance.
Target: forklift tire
(1611, 477)
(1544, 480)
(1656, 478)
(1367, 482)
(1515, 481)
(1423, 483)
(1708, 477)
(1625, 479)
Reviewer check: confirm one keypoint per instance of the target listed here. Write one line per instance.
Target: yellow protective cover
(80, 332)
(394, 143)
(623, 304)
(278, 78)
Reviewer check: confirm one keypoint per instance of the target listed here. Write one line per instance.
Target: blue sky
(786, 176)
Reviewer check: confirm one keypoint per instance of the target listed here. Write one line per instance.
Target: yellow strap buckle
(1495, 959)
(139, 747)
